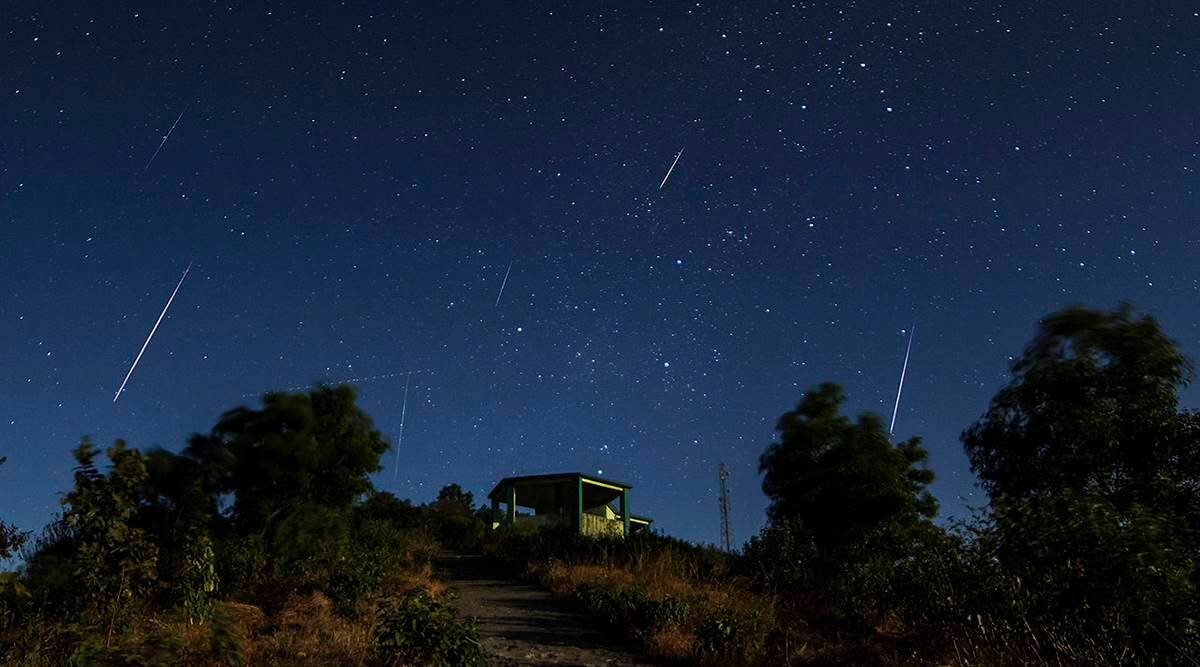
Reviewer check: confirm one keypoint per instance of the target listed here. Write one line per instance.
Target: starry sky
(352, 183)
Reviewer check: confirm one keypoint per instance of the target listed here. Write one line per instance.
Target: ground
(523, 624)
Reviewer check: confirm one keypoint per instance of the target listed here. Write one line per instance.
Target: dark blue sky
(353, 181)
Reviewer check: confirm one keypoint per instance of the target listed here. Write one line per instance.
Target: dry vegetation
(307, 629)
(660, 577)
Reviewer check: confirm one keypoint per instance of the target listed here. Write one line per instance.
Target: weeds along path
(523, 624)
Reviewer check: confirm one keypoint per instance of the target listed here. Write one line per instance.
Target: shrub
(114, 563)
(780, 557)
(460, 533)
(154, 642)
(378, 548)
(658, 615)
(241, 565)
(727, 636)
(416, 628)
(628, 608)
(354, 578)
(308, 630)
(395, 545)
(198, 581)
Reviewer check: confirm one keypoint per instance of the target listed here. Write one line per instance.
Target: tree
(294, 468)
(1092, 408)
(454, 520)
(452, 500)
(1094, 478)
(849, 510)
(385, 506)
(842, 479)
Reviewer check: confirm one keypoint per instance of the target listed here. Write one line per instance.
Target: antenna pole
(726, 532)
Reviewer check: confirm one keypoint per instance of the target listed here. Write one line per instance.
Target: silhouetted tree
(848, 510)
(842, 479)
(451, 499)
(294, 468)
(1092, 408)
(385, 506)
(454, 519)
(1094, 480)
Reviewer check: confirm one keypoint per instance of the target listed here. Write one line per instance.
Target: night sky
(353, 183)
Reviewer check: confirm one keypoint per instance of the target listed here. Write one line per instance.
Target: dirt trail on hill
(523, 624)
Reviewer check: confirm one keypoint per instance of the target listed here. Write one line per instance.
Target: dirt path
(523, 624)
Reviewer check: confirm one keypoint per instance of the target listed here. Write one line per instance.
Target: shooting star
(400, 439)
(664, 180)
(164, 141)
(158, 322)
(503, 283)
(903, 369)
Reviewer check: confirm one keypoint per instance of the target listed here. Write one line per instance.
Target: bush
(396, 546)
(378, 547)
(523, 547)
(780, 558)
(417, 628)
(198, 581)
(661, 614)
(459, 533)
(727, 636)
(627, 608)
(241, 565)
(354, 578)
(160, 644)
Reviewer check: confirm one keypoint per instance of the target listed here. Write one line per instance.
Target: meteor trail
(503, 283)
(400, 440)
(912, 332)
(160, 319)
(664, 180)
(164, 141)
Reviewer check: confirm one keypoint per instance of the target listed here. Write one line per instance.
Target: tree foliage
(313, 448)
(1092, 408)
(114, 563)
(452, 500)
(848, 509)
(842, 479)
(1093, 477)
(293, 470)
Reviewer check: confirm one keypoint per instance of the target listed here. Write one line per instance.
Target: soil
(524, 624)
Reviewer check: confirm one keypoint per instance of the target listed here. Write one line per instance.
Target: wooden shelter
(575, 499)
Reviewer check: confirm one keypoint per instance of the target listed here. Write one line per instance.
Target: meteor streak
(164, 141)
(160, 319)
(912, 332)
(400, 439)
(503, 283)
(664, 180)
